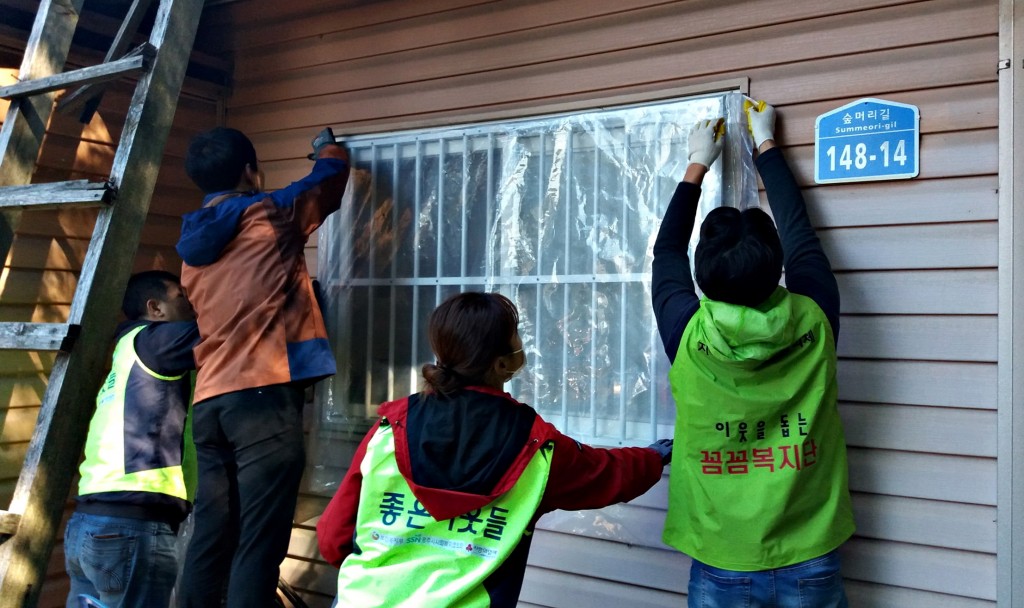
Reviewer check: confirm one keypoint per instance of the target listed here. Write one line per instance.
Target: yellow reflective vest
(140, 437)
(403, 558)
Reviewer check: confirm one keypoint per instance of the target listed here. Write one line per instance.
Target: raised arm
(672, 292)
(808, 271)
(309, 201)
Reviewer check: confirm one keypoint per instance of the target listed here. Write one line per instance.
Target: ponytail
(468, 331)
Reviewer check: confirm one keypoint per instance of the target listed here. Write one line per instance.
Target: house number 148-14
(857, 156)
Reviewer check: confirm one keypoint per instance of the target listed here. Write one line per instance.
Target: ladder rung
(139, 59)
(38, 336)
(57, 194)
(9, 523)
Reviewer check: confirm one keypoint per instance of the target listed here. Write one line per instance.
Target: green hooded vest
(150, 449)
(406, 559)
(759, 473)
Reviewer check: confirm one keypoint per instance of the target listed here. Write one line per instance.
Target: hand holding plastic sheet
(760, 120)
(664, 449)
(706, 140)
(323, 138)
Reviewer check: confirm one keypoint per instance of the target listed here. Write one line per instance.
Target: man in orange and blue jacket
(262, 342)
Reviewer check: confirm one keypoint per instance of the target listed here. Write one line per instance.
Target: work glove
(705, 141)
(664, 449)
(323, 138)
(760, 120)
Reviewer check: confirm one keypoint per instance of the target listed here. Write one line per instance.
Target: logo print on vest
(703, 348)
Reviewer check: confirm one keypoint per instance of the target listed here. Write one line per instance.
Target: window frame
(390, 131)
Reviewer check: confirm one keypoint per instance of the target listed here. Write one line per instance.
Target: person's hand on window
(664, 449)
(705, 141)
(322, 139)
(761, 120)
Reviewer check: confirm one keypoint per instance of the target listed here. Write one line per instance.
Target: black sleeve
(672, 293)
(166, 348)
(808, 271)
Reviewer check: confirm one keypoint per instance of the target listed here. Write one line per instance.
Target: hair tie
(447, 369)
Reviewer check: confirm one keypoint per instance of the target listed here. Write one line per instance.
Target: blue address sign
(869, 139)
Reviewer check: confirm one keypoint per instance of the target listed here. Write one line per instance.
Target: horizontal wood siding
(916, 260)
(40, 274)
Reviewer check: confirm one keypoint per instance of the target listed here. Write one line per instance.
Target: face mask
(516, 371)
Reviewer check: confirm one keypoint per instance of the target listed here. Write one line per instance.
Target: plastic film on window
(558, 213)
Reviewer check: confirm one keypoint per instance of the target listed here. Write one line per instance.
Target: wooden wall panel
(957, 573)
(933, 383)
(870, 594)
(603, 37)
(931, 292)
(962, 432)
(965, 61)
(926, 522)
(243, 26)
(967, 199)
(916, 259)
(921, 338)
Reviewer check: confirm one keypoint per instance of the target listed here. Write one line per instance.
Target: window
(559, 213)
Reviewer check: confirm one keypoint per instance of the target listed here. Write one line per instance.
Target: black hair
(216, 159)
(739, 256)
(145, 286)
(468, 331)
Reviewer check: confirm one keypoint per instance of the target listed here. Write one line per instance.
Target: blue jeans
(815, 583)
(123, 562)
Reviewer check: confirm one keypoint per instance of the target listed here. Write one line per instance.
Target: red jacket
(245, 272)
(435, 437)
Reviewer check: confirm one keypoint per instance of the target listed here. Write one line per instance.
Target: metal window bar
(623, 292)
(539, 297)
(595, 238)
(464, 200)
(567, 151)
(490, 173)
(442, 155)
(371, 267)
(392, 326)
(418, 209)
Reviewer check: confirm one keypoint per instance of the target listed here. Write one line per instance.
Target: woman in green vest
(439, 505)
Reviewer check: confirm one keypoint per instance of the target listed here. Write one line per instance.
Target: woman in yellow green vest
(758, 493)
(439, 505)
(138, 478)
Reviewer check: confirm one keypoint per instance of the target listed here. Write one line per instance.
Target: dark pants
(251, 458)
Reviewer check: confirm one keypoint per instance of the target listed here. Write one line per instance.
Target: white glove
(761, 122)
(703, 145)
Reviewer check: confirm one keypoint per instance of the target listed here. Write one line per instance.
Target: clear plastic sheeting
(559, 214)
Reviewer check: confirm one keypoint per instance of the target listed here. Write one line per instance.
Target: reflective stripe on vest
(140, 437)
(406, 559)
(759, 473)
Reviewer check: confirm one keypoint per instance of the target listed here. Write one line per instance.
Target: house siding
(916, 260)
